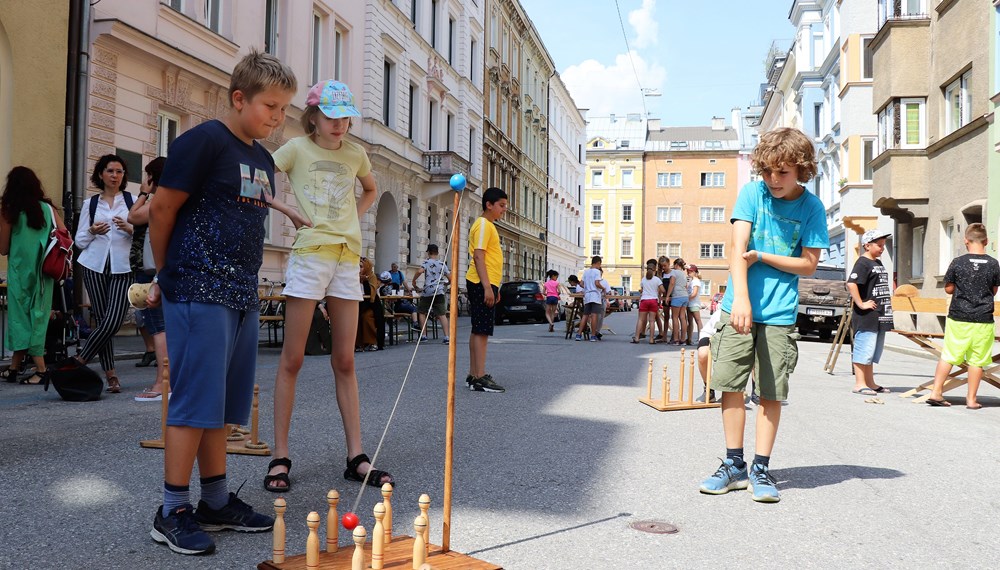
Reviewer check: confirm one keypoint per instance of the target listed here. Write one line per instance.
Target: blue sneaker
(726, 478)
(762, 484)
(179, 531)
(578, 337)
(236, 515)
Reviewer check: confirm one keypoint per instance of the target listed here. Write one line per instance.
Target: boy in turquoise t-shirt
(779, 230)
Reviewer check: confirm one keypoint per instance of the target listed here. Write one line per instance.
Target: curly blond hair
(785, 146)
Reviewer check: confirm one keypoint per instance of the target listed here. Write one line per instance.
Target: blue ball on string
(457, 182)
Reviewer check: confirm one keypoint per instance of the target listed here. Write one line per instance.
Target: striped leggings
(108, 301)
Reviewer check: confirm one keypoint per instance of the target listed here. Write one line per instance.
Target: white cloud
(643, 21)
(612, 89)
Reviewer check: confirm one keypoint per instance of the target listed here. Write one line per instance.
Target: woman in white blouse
(104, 239)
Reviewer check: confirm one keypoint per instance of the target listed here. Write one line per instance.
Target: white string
(413, 357)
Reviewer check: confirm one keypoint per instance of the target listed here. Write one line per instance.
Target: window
(166, 126)
(213, 15)
(411, 241)
(668, 179)
(434, 23)
(958, 104)
(867, 59)
(413, 12)
(598, 144)
(668, 214)
(678, 145)
(412, 113)
(713, 145)
(595, 246)
(913, 117)
(450, 130)
(887, 127)
(917, 253)
(670, 249)
(177, 5)
(626, 212)
(431, 115)
(627, 283)
(338, 54)
(388, 92)
(597, 177)
(271, 27)
(472, 62)
(711, 250)
(133, 164)
(901, 10)
(317, 49)
(945, 255)
(867, 155)
(626, 247)
(472, 148)
(451, 41)
(628, 177)
(597, 212)
(712, 215)
(713, 179)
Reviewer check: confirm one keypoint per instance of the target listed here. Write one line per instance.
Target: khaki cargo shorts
(769, 351)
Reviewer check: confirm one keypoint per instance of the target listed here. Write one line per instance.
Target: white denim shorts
(316, 274)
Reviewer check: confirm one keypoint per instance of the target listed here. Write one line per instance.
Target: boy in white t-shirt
(649, 303)
(593, 290)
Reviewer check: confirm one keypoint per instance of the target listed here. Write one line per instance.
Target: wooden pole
(680, 387)
(691, 380)
(449, 424)
(649, 381)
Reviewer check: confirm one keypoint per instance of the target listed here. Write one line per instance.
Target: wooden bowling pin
(358, 560)
(680, 387)
(312, 543)
(649, 381)
(332, 523)
(378, 538)
(387, 521)
(425, 504)
(278, 553)
(419, 550)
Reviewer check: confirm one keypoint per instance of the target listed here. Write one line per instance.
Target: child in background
(553, 288)
(649, 302)
(972, 280)
(868, 285)
(592, 298)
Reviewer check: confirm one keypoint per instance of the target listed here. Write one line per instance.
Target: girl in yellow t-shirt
(322, 167)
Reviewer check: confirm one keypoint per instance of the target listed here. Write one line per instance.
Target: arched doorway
(386, 233)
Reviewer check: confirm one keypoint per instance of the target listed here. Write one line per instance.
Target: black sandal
(280, 477)
(9, 375)
(375, 475)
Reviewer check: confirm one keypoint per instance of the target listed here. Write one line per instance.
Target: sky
(703, 56)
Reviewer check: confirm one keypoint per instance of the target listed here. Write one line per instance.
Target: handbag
(148, 264)
(57, 261)
(74, 382)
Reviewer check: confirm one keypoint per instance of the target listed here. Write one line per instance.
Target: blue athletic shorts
(213, 364)
(678, 301)
(151, 318)
(867, 347)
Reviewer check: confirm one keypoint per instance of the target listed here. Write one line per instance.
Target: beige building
(692, 178)
(33, 91)
(930, 172)
(515, 139)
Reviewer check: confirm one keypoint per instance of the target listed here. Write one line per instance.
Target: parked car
(823, 300)
(523, 301)
(634, 303)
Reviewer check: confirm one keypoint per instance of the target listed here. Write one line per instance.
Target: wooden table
(907, 300)
(392, 318)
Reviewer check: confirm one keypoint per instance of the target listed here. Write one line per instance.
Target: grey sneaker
(726, 478)
(485, 383)
(762, 484)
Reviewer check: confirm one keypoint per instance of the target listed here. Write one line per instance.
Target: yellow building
(613, 219)
(33, 91)
(692, 180)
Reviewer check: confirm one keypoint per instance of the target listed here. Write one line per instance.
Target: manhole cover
(654, 527)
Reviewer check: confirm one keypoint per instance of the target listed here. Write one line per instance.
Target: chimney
(653, 125)
(718, 124)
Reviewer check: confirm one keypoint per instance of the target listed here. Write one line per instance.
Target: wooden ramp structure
(398, 555)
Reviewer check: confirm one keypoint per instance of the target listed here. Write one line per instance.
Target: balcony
(901, 60)
(441, 164)
(900, 185)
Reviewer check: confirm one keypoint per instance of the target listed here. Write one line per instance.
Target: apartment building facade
(613, 195)
(933, 108)
(692, 178)
(567, 130)
(993, 142)
(518, 70)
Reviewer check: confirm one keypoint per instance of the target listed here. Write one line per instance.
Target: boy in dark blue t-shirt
(207, 236)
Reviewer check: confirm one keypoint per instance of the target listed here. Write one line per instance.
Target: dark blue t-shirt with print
(217, 245)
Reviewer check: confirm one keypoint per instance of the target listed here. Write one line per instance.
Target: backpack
(74, 382)
(57, 260)
(93, 203)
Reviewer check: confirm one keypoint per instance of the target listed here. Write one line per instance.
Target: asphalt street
(549, 474)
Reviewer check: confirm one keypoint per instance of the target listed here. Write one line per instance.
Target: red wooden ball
(349, 520)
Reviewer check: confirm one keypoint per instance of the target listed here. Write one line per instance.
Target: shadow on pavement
(814, 476)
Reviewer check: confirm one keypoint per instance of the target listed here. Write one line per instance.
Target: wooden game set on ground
(385, 550)
(239, 440)
(666, 403)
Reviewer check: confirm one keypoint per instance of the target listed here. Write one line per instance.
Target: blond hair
(257, 72)
(976, 232)
(785, 146)
(308, 118)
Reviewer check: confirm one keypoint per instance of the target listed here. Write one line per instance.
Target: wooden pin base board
(238, 447)
(674, 406)
(398, 555)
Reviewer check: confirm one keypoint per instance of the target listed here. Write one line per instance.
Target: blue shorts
(552, 300)
(213, 364)
(151, 318)
(867, 347)
(678, 301)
